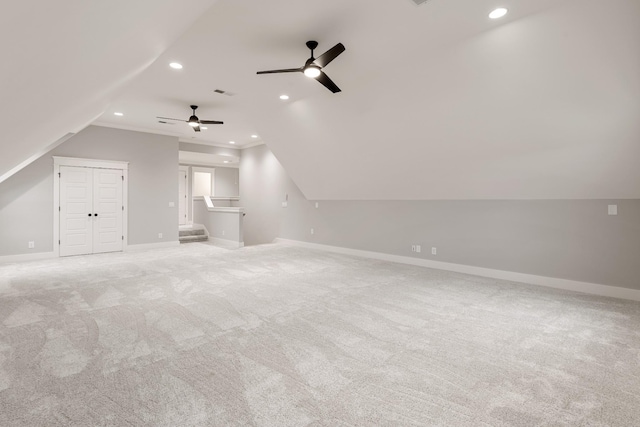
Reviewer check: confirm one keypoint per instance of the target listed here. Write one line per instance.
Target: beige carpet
(281, 336)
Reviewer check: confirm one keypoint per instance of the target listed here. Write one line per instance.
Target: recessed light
(118, 114)
(176, 66)
(254, 136)
(204, 127)
(232, 142)
(498, 13)
(284, 97)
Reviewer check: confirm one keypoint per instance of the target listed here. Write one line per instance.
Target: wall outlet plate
(612, 209)
(159, 235)
(285, 204)
(172, 205)
(32, 245)
(313, 231)
(434, 251)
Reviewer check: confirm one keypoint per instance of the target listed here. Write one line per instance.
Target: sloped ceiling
(63, 62)
(545, 105)
(438, 101)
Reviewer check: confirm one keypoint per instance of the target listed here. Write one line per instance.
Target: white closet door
(182, 197)
(76, 204)
(107, 209)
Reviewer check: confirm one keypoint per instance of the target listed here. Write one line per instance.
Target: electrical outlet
(223, 232)
(313, 231)
(159, 235)
(434, 251)
(285, 204)
(413, 248)
(418, 248)
(612, 209)
(317, 205)
(32, 245)
(172, 204)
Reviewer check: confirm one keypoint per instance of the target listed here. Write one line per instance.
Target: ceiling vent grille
(418, 2)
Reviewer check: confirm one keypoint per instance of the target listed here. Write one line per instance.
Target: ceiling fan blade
(327, 82)
(324, 59)
(169, 118)
(196, 128)
(210, 122)
(286, 70)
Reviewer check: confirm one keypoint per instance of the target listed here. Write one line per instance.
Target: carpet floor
(276, 335)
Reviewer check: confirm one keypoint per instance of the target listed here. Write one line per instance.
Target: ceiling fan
(194, 121)
(313, 67)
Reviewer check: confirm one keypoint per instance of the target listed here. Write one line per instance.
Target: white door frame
(87, 163)
(188, 194)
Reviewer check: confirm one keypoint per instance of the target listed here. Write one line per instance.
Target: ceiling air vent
(223, 92)
(419, 2)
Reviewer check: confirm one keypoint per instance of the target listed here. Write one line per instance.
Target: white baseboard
(6, 259)
(147, 246)
(550, 282)
(227, 243)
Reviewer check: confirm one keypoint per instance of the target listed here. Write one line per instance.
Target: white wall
(569, 239)
(26, 199)
(220, 225)
(226, 182)
(209, 149)
(263, 186)
(26, 209)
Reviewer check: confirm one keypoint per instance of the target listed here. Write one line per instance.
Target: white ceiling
(438, 101)
(64, 61)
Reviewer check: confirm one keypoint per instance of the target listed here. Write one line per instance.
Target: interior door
(107, 210)
(76, 210)
(182, 197)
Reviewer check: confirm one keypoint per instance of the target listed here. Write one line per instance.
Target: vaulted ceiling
(63, 62)
(438, 101)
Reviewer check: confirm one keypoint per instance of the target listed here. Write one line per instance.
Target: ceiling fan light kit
(313, 66)
(312, 69)
(194, 121)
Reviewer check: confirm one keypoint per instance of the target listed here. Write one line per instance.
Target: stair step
(193, 238)
(192, 232)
